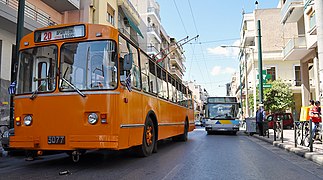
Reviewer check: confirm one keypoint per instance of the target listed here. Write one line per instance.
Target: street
(218, 156)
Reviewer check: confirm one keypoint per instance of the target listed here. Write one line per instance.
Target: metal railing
(154, 30)
(289, 3)
(153, 10)
(295, 43)
(30, 13)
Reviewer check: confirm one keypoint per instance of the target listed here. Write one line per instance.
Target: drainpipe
(319, 29)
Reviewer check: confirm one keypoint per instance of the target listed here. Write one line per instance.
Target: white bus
(221, 114)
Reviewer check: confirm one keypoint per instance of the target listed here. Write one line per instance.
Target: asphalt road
(219, 156)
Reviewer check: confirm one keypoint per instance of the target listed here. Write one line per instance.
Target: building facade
(276, 64)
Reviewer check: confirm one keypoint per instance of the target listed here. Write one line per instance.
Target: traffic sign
(266, 85)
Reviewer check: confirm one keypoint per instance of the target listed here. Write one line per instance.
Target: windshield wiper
(33, 96)
(74, 87)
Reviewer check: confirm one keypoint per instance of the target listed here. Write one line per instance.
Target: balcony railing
(312, 21)
(286, 7)
(155, 31)
(30, 12)
(180, 63)
(155, 11)
(295, 43)
(177, 72)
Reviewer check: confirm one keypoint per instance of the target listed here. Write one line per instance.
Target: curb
(316, 157)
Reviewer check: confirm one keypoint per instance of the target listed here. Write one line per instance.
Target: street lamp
(243, 53)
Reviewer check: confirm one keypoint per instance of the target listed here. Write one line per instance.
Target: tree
(278, 98)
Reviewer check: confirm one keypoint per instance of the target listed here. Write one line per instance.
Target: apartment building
(200, 96)
(165, 49)
(275, 62)
(304, 45)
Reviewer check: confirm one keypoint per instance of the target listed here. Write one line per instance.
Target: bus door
(41, 72)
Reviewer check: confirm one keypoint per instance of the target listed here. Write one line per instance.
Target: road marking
(173, 172)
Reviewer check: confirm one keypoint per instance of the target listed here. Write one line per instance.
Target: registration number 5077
(56, 139)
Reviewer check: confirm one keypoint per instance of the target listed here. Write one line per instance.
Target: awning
(132, 24)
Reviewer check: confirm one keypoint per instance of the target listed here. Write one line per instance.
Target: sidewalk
(289, 145)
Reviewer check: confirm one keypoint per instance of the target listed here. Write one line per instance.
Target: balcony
(33, 18)
(295, 48)
(128, 9)
(312, 23)
(153, 31)
(152, 11)
(151, 50)
(176, 62)
(248, 38)
(176, 72)
(292, 11)
(63, 5)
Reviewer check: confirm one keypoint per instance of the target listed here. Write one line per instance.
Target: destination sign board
(60, 33)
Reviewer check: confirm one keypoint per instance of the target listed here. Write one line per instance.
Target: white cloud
(225, 51)
(217, 70)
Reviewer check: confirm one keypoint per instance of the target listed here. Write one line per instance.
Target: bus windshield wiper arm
(74, 87)
(33, 96)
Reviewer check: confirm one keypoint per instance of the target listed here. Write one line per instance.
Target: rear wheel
(148, 140)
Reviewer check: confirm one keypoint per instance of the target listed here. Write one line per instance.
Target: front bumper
(72, 142)
(212, 128)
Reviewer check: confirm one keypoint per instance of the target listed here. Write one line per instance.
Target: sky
(217, 23)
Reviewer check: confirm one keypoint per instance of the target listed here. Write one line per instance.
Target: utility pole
(14, 61)
(261, 96)
(319, 29)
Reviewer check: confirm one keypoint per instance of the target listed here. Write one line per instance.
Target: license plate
(56, 139)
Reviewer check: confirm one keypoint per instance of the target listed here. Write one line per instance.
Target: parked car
(287, 118)
(197, 122)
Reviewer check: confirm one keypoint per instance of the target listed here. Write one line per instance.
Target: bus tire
(183, 137)
(148, 140)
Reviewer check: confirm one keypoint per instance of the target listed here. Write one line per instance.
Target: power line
(215, 41)
(189, 3)
(180, 17)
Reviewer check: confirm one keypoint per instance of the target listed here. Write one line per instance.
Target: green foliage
(278, 98)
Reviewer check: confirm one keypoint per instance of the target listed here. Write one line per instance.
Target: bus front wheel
(148, 139)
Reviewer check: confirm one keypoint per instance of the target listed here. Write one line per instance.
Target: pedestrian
(316, 117)
(260, 118)
(311, 110)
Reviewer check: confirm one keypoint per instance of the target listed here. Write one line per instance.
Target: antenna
(256, 3)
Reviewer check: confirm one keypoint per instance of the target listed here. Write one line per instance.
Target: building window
(110, 14)
(272, 72)
(297, 71)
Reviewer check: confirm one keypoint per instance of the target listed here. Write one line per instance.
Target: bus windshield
(37, 70)
(88, 65)
(222, 110)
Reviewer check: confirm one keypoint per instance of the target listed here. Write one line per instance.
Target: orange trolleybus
(87, 86)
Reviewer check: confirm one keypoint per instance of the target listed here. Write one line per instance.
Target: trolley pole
(20, 28)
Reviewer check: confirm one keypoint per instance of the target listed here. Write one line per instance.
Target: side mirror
(127, 64)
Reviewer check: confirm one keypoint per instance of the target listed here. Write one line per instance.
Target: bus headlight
(28, 120)
(92, 118)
